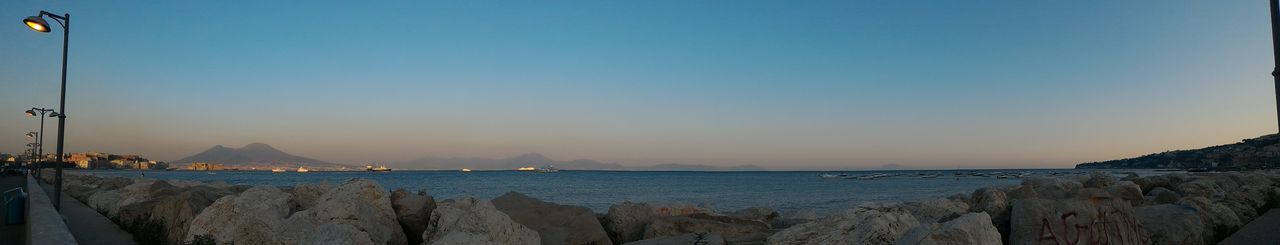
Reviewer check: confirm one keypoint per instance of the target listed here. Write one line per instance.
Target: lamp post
(40, 141)
(1275, 47)
(38, 23)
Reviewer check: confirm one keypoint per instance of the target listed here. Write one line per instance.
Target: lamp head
(36, 23)
(54, 114)
(31, 113)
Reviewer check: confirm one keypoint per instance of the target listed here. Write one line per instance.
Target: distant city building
(202, 166)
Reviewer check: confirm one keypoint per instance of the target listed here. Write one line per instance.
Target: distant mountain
(538, 160)
(255, 155)
(1256, 153)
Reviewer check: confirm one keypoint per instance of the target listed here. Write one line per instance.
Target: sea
(786, 191)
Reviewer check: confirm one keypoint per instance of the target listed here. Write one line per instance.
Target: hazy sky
(781, 84)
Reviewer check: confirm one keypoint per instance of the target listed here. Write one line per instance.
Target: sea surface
(723, 191)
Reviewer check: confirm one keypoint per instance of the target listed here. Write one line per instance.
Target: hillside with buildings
(1256, 153)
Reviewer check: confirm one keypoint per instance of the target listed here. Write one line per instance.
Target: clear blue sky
(781, 84)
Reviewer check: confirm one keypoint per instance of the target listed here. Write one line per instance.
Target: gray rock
(867, 224)
(971, 228)
(360, 203)
(1215, 216)
(303, 196)
(1160, 195)
(413, 211)
(252, 217)
(626, 222)
(936, 210)
(735, 231)
(1172, 224)
(1067, 221)
(995, 203)
(705, 239)
(555, 223)
(473, 221)
(1100, 180)
(1127, 191)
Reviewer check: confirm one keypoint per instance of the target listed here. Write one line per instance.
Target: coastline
(1198, 208)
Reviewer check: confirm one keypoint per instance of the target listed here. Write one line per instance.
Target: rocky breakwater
(1095, 208)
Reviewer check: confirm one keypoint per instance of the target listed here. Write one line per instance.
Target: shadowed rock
(412, 211)
(555, 223)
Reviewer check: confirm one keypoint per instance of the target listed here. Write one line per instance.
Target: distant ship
(303, 170)
(466, 170)
(526, 169)
(277, 170)
(548, 169)
(379, 168)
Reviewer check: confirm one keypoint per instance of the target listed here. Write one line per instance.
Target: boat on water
(379, 168)
(526, 169)
(547, 170)
(303, 170)
(832, 176)
(466, 170)
(277, 170)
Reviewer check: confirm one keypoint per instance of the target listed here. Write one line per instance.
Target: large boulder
(174, 209)
(1172, 224)
(1100, 180)
(303, 196)
(1053, 188)
(413, 211)
(360, 203)
(555, 223)
(1215, 216)
(733, 230)
(866, 224)
(472, 221)
(699, 238)
(626, 222)
(1150, 182)
(995, 203)
(1201, 188)
(971, 228)
(1127, 191)
(936, 210)
(1070, 221)
(252, 217)
(1160, 195)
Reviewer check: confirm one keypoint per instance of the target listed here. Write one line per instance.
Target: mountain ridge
(255, 155)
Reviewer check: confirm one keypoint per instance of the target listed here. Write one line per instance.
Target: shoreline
(1119, 210)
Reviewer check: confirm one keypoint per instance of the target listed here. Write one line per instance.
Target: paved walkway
(87, 225)
(1263, 230)
(12, 234)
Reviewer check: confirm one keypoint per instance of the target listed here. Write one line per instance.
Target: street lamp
(34, 145)
(38, 23)
(42, 113)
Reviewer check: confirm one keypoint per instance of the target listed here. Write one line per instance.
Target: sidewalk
(87, 225)
(1263, 230)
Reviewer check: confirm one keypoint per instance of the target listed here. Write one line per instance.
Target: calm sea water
(724, 191)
